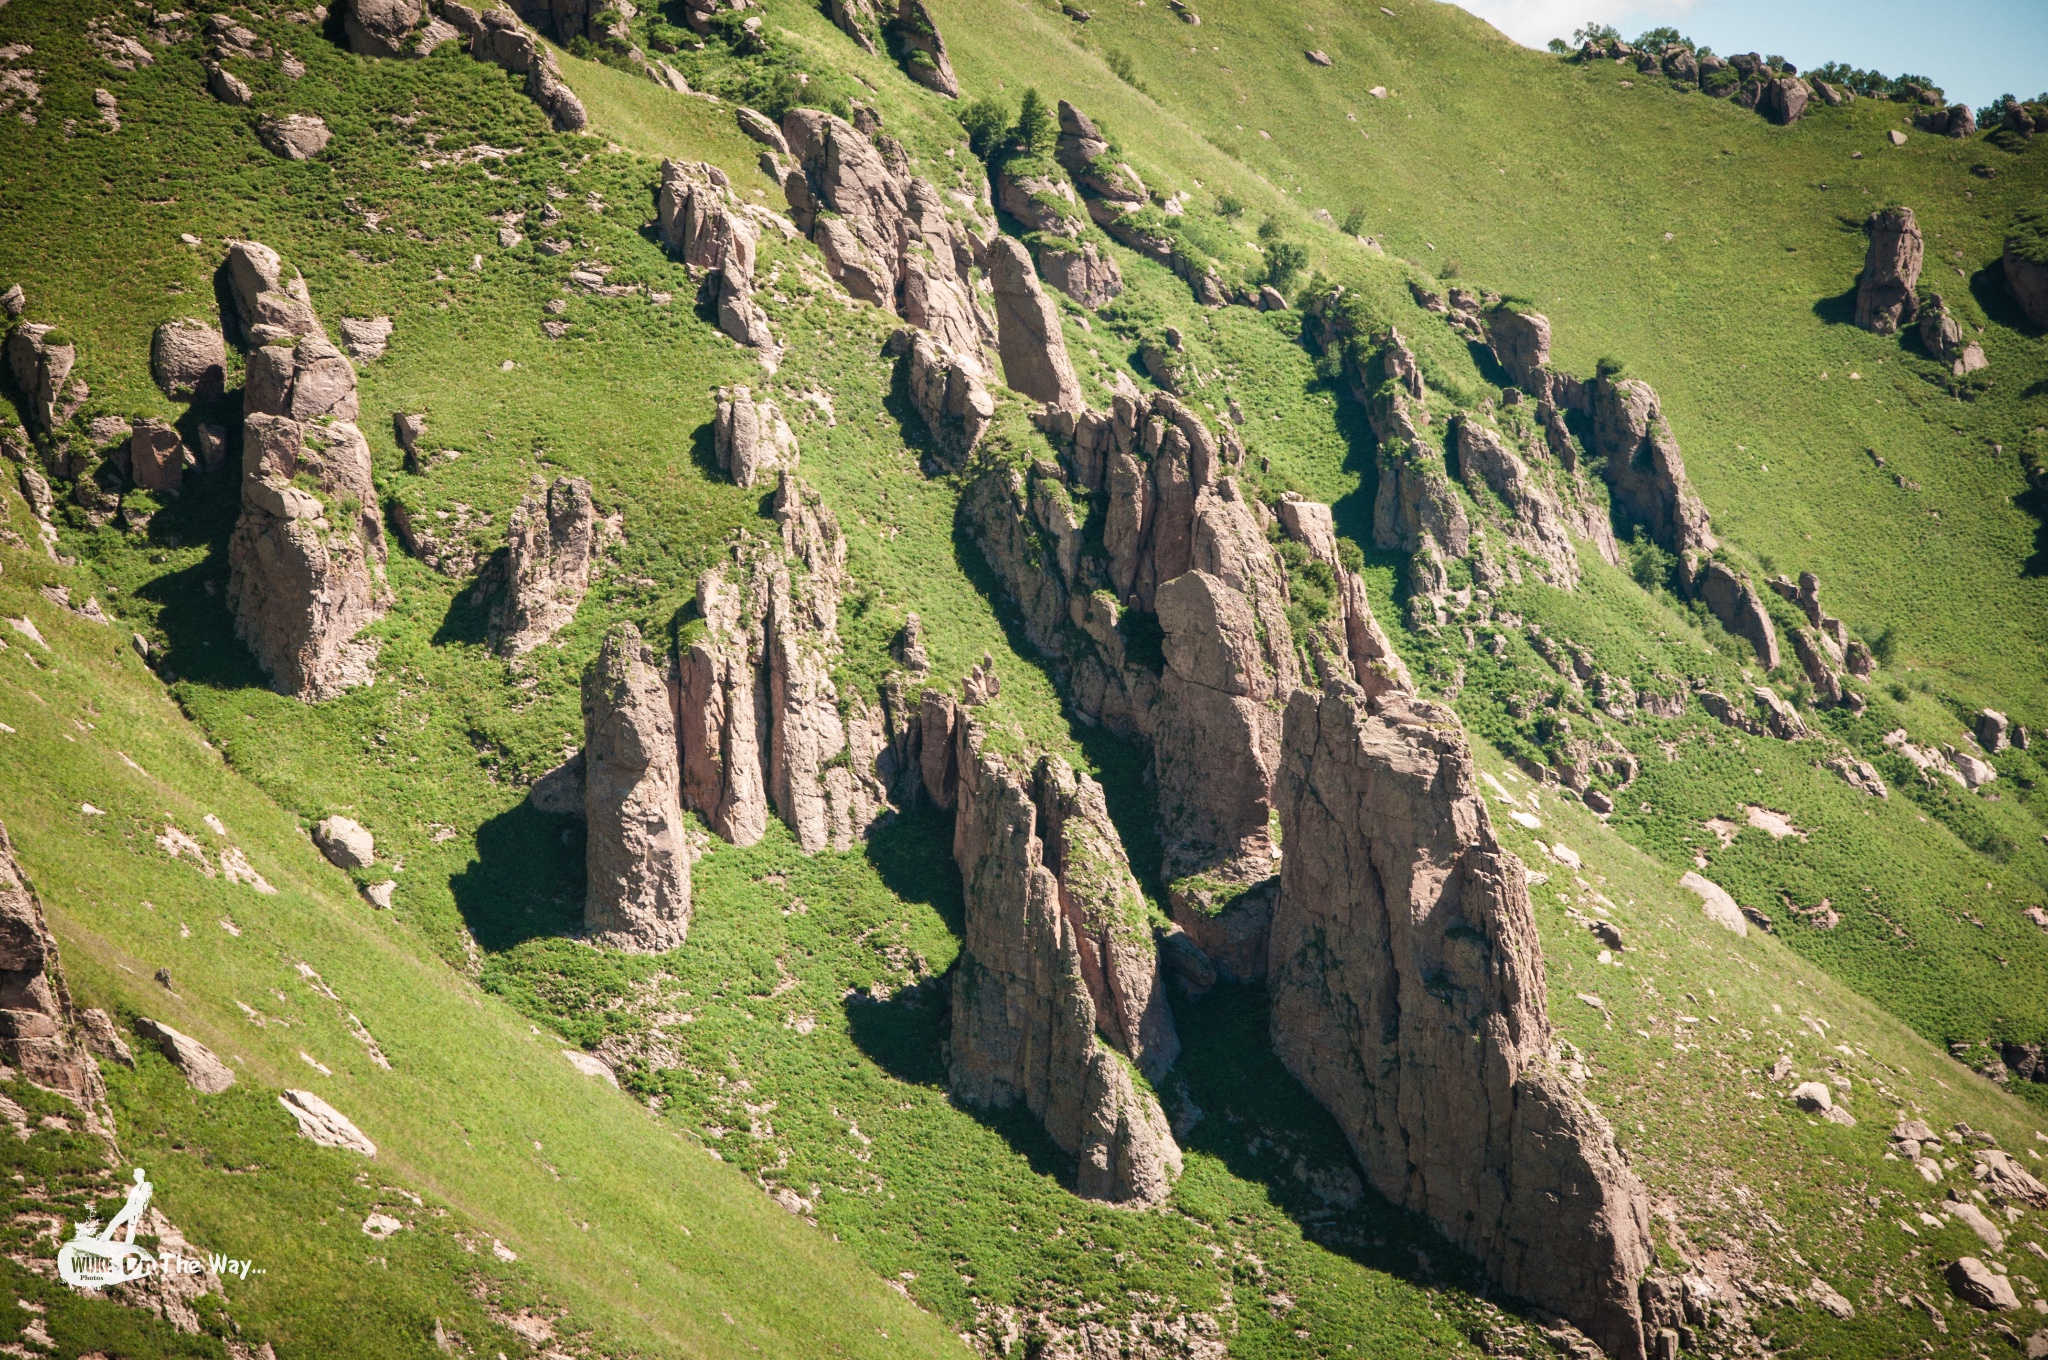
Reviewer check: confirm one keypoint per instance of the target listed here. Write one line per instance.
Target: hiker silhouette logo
(95, 1258)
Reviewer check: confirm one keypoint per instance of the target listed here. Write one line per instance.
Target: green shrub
(1284, 262)
(1037, 131)
(985, 121)
(1354, 222)
(1229, 204)
(1120, 65)
(1610, 367)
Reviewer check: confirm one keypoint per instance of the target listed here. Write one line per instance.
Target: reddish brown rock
(39, 1028)
(924, 49)
(750, 438)
(268, 306)
(41, 361)
(1407, 985)
(1731, 598)
(188, 359)
(638, 857)
(156, 457)
(1034, 349)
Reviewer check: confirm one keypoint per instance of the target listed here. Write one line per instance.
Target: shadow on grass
(1988, 288)
(1839, 310)
(525, 881)
(2034, 500)
(913, 854)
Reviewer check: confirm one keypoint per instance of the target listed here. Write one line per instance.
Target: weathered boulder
(1784, 99)
(306, 566)
(381, 28)
(208, 1074)
(750, 438)
(1644, 468)
(39, 1028)
(554, 542)
(1025, 1009)
(496, 35)
(698, 218)
(1416, 502)
(346, 843)
(638, 856)
(366, 337)
(268, 306)
(1941, 335)
(1813, 660)
(1885, 300)
(188, 359)
(948, 392)
(1081, 271)
(923, 50)
(1980, 1286)
(1993, 731)
(2026, 277)
(2003, 1177)
(1042, 201)
(228, 87)
(156, 456)
(294, 136)
(1407, 993)
(1780, 718)
(1731, 598)
(1112, 187)
(1034, 350)
(307, 380)
(857, 19)
(41, 358)
(762, 722)
(762, 129)
(1521, 341)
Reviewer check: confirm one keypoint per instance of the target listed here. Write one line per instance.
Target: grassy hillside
(795, 1040)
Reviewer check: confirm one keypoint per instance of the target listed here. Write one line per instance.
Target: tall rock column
(638, 866)
(1025, 1014)
(553, 544)
(1408, 997)
(1644, 468)
(306, 561)
(1885, 297)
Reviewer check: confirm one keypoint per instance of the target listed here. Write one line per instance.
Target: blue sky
(1975, 50)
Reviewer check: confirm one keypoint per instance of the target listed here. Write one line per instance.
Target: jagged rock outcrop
(1408, 997)
(1034, 350)
(268, 306)
(1813, 660)
(638, 856)
(1350, 644)
(858, 20)
(1783, 100)
(1055, 952)
(1885, 300)
(1521, 341)
(188, 358)
(884, 233)
(600, 21)
(760, 720)
(1941, 335)
(750, 438)
(294, 136)
(700, 220)
(41, 359)
(156, 456)
(2026, 278)
(305, 566)
(1081, 271)
(1536, 522)
(1111, 187)
(39, 1028)
(496, 35)
(1041, 200)
(1643, 466)
(1731, 598)
(553, 542)
(922, 49)
(947, 391)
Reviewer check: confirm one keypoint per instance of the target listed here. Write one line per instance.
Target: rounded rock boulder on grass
(346, 843)
(188, 358)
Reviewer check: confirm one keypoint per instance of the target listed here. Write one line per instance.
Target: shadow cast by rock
(525, 881)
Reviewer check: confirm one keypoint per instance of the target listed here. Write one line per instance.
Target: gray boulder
(294, 136)
(208, 1074)
(1034, 350)
(1885, 298)
(267, 305)
(553, 544)
(1081, 271)
(924, 50)
(41, 359)
(346, 843)
(948, 393)
(381, 28)
(1980, 1286)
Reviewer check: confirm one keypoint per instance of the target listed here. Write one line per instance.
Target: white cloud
(1535, 22)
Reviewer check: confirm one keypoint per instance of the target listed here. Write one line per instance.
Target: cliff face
(39, 1030)
(1057, 982)
(1408, 996)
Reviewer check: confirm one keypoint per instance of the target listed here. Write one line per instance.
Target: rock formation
(306, 566)
(638, 865)
(857, 20)
(1643, 466)
(553, 542)
(885, 234)
(700, 220)
(294, 136)
(750, 438)
(1885, 300)
(1351, 644)
(496, 35)
(156, 456)
(1081, 271)
(41, 358)
(345, 842)
(381, 28)
(947, 391)
(2026, 277)
(761, 722)
(1536, 517)
(1112, 188)
(1057, 974)
(202, 1068)
(188, 359)
(923, 50)
(1941, 335)
(1731, 598)
(39, 1029)
(1034, 350)
(1784, 99)
(1408, 997)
